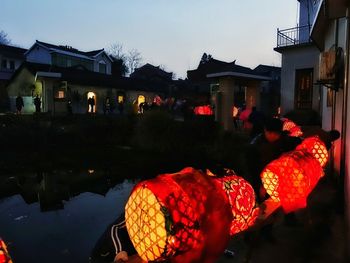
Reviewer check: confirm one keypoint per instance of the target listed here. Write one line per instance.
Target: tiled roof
(216, 66)
(70, 49)
(12, 51)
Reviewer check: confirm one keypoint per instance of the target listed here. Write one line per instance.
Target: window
(102, 68)
(303, 88)
(60, 94)
(12, 65)
(329, 97)
(4, 64)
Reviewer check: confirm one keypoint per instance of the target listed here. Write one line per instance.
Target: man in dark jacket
(266, 147)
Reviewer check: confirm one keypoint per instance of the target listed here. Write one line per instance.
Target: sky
(171, 33)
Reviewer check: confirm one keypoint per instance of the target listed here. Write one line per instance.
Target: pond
(59, 216)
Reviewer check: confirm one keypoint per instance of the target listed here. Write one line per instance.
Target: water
(58, 217)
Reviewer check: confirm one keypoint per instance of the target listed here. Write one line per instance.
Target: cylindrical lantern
(290, 179)
(242, 197)
(178, 217)
(316, 147)
(293, 129)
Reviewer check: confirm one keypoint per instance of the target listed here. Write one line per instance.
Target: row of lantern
(178, 216)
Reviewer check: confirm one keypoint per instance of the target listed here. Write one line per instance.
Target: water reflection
(58, 216)
(50, 189)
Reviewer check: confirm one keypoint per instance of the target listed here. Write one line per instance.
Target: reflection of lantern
(290, 178)
(293, 129)
(242, 200)
(177, 215)
(4, 256)
(316, 147)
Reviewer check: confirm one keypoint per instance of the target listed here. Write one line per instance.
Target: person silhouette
(19, 104)
(37, 104)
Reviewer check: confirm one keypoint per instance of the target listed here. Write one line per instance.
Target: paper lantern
(316, 147)
(290, 179)
(242, 197)
(4, 255)
(203, 110)
(178, 216)
(292, 129)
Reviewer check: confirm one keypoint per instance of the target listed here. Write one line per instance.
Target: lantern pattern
(169, 217)
(293, 129)
(290, 179)
(316, 147)
(242, 199)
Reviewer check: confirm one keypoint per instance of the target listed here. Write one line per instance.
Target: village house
(331, 34)
(10, 58)
(315, 74)
(62, 76)
(300, 55)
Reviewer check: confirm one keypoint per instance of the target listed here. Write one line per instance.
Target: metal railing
(293, 36)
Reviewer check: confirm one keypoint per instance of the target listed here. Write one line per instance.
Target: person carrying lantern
(265, 147)
(115, 245)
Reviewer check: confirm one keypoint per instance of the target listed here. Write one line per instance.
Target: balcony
(293, 36)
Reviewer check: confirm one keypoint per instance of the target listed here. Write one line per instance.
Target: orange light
(316, 147)
(241, 196)
(203, 110)
(290, 179)
(4, 255)
(293, 129)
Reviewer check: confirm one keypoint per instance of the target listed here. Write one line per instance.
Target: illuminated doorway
(140, 99)
(91, 99)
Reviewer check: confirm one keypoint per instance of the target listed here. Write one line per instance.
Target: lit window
(120, 99)
(60, 94)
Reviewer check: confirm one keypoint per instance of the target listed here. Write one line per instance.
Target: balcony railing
(293, 36)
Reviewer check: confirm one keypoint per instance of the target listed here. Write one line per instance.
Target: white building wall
(293, 59)
(327, 111)
(39, 55)
(102, 57)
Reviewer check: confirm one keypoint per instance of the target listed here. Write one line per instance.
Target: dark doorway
(303, 89)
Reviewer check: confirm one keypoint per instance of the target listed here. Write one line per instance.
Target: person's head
(334, 135)
(273, 129)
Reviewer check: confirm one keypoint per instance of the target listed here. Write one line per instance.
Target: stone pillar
(253, 95)
(227, 95)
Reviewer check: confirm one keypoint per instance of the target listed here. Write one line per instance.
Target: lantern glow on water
(316, 147)
(241, 196)
(168, 217)
(290, 179)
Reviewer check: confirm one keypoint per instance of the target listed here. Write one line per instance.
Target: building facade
(299, 62)
(331, 34)
(67, 56)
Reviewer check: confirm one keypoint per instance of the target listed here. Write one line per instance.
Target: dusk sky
(172, 33)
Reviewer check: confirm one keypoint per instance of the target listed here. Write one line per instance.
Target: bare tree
(116, 50)
(4, 38)
(133, 60)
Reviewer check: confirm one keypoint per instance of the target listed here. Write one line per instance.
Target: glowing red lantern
(316, 147)
(4, 255)
(293, 129)
(176, 216)
(290, 179)
(203, 110)
(241, 196)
